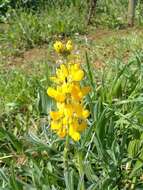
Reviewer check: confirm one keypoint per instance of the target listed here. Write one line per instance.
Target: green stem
(81, 170)
(66, 165)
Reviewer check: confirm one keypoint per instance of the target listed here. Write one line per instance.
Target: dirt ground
(38, 54)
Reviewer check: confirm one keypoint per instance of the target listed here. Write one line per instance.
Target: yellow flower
(60, 97)
(66, 88)
(76, 93)
(60, 106)
(56, 115)
(69, 45)
(67, 120)
(68, 110)
(85, 113)
(82, 126)
(55, 125)
(59, 47)
(62, 73)
(79, 125)
(78, 109)
(85, 90)
(51, 92)
(77, 74)
(62, 132)
(56, 94)
(74, 134)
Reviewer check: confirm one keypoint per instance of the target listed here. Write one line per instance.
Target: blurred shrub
(37, 4)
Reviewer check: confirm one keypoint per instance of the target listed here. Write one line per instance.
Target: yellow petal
(78, 109)
(82, 126)
(64, 70)
(74, 134)
(56, 115)
(85, 114)
(79, 125)
(76, 92)
(85, 90)
(51, 92)
(60, 106)
(62, 133)
(55, 125)
(56, 94)
(62, 73)
(78, 76)
(68, 110)
(76, 72)
(69, 45)
(66, 88)
(59, 46)
(65, 121)
(60, 97)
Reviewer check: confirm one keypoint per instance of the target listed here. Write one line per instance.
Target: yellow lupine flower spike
(70, 117)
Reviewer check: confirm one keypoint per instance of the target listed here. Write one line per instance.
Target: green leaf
(133, 148)
(44, 102)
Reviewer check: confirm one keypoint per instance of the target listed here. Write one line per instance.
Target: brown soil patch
(35, 54)
(41, 53)
(100, 34)
(25, 60)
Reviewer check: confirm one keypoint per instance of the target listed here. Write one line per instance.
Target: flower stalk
(66, 163)
(81, 170)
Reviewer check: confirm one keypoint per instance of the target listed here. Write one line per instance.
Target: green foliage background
(109, 155)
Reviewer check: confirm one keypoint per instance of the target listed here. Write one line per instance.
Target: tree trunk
(131, 12)
(91, 10)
